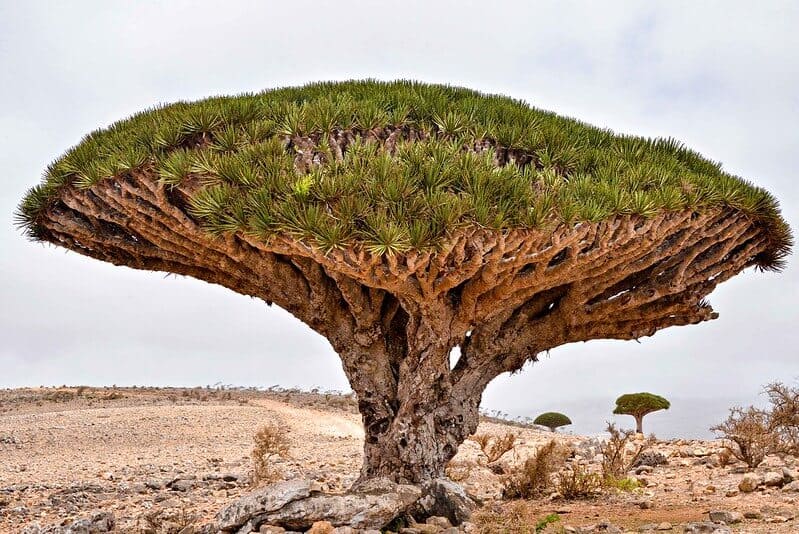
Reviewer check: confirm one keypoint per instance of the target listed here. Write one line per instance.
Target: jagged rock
(443, 497)
(266, 499)
(726, 517)
(750, 482)
(271, 529)
(773, 479)
(359, 510)
(651, 459)
(789, 475)
(606, 528)
(706, 527)
(97, 524)
(753, 514)
(792, 486)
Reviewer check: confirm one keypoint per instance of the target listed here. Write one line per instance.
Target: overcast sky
(721, 76)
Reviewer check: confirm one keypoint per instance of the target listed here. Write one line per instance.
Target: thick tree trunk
(421, 439)
(639, 424)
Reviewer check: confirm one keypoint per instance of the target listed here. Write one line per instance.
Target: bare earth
(176, 456)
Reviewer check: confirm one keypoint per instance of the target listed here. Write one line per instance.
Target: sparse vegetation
(578, 482)
(749, 435)
(621, 451)
(752, 433)
(638, 405)
(518, 517)
(494, 447)
(165, 521)
(536, 475)
(552, 420)
(784, 416)
(271, 442)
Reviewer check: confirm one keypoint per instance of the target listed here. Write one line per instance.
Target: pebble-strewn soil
(175, 456)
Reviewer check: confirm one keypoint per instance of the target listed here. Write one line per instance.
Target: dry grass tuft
(535, 477)
(494, 447)
(271, 442)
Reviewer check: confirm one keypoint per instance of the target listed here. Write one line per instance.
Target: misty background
(723, 77)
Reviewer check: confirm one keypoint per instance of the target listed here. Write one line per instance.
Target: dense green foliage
(640, 404)
(552, 420)
(242, 150)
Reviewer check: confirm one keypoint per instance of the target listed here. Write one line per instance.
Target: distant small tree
(552, 420)
(638, 405)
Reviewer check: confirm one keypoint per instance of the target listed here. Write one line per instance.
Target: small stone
(731, 493)
(321, 527)
(753, 514)
(344, 530)
(788, 475)
(773, 479)
(726, 517)
(791, 487)
(706, 527)
(750, 482)
(438, 521)
(777, 519)
(646, 505)
(271, 529)
(664, 526)
(154, 484)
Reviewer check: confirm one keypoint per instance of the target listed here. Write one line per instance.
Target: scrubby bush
(552, 420)
(748, 434)
(784, 416)
(621, 451)
(535, 476)
(638, 405)
(494, 447)
(271, 442)
(752, 433)
(577, 482)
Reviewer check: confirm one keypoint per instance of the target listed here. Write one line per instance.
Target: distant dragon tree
(400, 220)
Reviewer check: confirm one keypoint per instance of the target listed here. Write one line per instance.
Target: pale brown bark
(501, 296)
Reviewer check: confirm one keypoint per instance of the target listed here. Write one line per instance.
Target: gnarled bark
(501, 296)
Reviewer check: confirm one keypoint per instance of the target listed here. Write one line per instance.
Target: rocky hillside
(169, 460)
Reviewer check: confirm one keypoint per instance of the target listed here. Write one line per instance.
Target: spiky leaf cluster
(396, 165)
(638, 404)
(552, 420)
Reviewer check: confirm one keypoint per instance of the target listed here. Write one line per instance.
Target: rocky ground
(168, 460)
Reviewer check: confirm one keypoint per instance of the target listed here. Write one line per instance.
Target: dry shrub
(725, 457)
(577, 482)
(518, 517)
(534, 477)
(165, 521)
(752, 433)
(784, 416)
(495, 446)
(749, 434)
(59, 395)
(621, 451)
(459, 471)
(271, 442)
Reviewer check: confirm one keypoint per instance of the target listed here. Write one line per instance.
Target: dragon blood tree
(400, 220)
(638, 405)
(552, 420)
